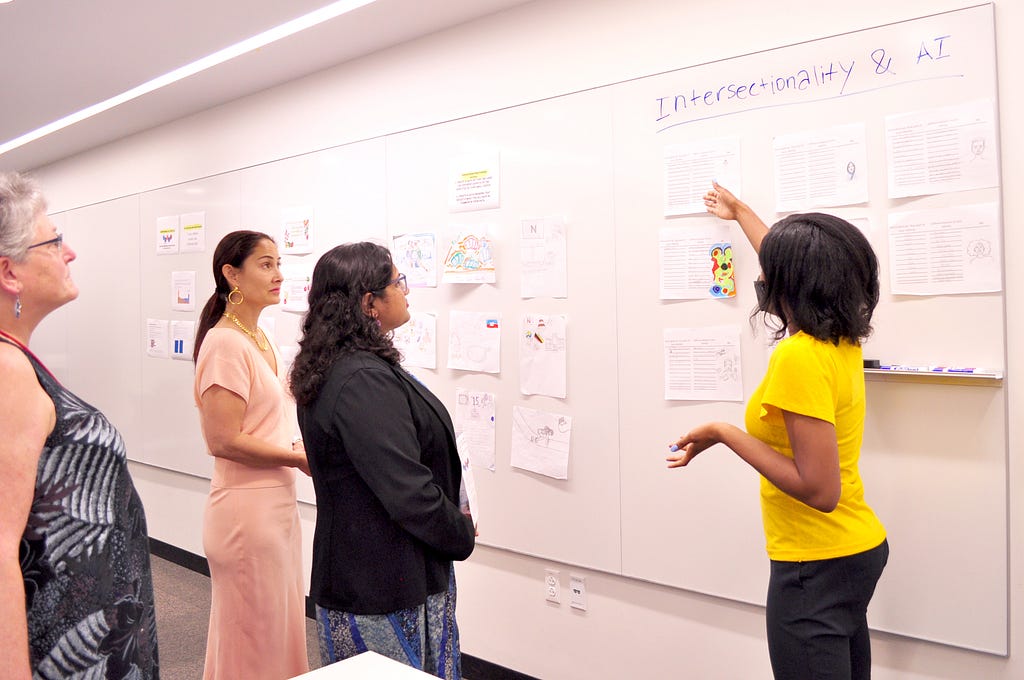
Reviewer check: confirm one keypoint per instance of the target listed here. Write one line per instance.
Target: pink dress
(251, 531)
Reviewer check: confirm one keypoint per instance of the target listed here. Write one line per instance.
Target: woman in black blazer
(387, 475)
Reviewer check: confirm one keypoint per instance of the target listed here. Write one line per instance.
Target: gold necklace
(263, 345)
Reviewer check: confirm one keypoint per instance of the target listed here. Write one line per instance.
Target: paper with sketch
(542, 355)
(183, 291)
(474, 426)
(297, 230)
(953, 148)
(946, 251)
(470, 259)
(167, 235)
(473, 183)
(193, 232)
(690, 168)
(696, 262)
(298, 277)
(415, 256)
(157, 336)
(474, 341)
(468, 500)
(542, 254)
(416, 339)
(820, 168)
(540, 441)
(703, 364)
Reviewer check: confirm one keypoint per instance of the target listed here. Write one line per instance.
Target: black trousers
(817, 616)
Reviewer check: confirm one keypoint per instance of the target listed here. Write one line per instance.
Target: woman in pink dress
(251, 531)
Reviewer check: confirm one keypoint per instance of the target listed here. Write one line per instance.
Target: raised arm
(28, 419)
(721, 202)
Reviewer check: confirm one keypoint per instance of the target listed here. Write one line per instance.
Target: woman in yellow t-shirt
(804, 427)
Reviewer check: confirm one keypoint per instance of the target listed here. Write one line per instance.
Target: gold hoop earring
(241, 298)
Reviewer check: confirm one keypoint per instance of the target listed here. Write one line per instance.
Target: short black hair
(821, 277)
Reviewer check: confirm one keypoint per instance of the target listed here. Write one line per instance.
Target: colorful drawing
(296, 233)
(469, 254)
(414, 255)
(724, 281)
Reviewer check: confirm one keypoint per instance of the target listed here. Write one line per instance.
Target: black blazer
(386, 471)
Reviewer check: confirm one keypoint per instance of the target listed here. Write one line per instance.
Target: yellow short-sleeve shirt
(824, 381)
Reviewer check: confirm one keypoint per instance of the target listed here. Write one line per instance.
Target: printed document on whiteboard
(953, 148)
(946, 251)
(690, 168)
(703, 364)
(695, 262)
(821, 168)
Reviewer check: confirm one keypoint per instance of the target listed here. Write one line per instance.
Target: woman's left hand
(692, 443)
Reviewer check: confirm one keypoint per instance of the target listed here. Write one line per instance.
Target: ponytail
(212, 311)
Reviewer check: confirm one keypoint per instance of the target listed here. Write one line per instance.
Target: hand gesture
(721, 203)
(692, 443)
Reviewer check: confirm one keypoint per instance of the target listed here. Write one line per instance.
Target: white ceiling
(60, 56)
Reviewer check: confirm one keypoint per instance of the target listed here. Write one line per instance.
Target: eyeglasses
(59, 241)
(403, 284)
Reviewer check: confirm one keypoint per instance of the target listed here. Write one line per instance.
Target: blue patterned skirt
(424, 637)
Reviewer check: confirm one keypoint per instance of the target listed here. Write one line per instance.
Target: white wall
(546, 48)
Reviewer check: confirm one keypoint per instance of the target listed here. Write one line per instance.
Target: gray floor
(182, 617)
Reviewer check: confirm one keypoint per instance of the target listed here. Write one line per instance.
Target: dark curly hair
(336, 324)
(821, 277)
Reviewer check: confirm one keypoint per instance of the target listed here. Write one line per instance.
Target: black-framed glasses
(58, 241)
(401, 281)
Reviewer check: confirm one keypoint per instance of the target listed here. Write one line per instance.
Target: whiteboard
(699, 528)
(934, 458)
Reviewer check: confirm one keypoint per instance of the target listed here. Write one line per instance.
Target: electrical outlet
(552, 586)
(578, 592)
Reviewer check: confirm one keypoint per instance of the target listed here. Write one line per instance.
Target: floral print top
(85, 552)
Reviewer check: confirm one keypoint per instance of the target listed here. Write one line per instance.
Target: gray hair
(21, 202)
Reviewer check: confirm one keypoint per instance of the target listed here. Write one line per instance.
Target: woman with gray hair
(76, 594)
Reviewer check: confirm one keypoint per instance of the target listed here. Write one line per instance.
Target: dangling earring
(241, 298)
(17, 307)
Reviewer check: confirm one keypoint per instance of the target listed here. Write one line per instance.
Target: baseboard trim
(472, 667)
(478, 669)
(181, 557)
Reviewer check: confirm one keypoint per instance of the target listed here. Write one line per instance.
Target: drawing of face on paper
(723, 280)
(977, 148)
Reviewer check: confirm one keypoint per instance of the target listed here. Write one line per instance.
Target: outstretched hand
(721, 202)
(692, 443)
